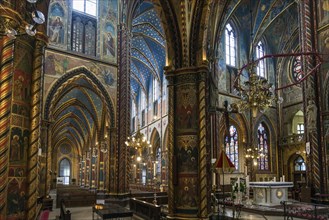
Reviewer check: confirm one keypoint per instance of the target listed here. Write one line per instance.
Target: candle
(274, 179)
(238, 184)
(283, 179)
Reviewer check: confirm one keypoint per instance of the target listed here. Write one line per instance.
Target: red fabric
(44, 215)
(223, 163)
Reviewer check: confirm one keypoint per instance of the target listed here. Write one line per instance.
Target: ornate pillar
(189, 151)
(6, 77)
(123, 112)
(312, 99)
(111, 166)
(50, 173)
(35, 116)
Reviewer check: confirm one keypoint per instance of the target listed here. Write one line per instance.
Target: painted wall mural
(187, 112)
(108, 11)
(57, 64)
(16, 199)
(57, 20)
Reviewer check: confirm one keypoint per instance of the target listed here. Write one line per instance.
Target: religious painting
(58, 64)
(108, 24)
(16, 199)
(16, 145)
(187, 196)
(187, 154)
(323, 12)
(21, 91)
(57, 21)
(186, 108)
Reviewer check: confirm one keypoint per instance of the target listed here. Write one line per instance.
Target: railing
(145, 209)
(142, 187)
(305, 211)
(64, 213)
(292, 139)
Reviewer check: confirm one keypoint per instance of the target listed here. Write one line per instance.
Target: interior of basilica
(188, 104)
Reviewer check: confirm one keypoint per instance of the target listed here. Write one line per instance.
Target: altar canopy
(223, 164)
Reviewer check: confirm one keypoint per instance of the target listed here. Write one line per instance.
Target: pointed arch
(69, 78)
(270, 149)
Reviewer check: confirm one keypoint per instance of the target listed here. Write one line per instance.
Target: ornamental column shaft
(123, 112)
(6, 75)
(311, 96)
(189, 150)
(35, 131)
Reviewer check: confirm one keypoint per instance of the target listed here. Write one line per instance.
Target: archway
(65, 171)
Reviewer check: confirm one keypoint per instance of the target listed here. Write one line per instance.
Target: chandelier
(256, 94)
(13, 26)
(254, 154)
(138, 145)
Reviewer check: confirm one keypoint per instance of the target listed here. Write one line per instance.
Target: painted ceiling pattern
(276, 20)
(148, 48)
(78, 114)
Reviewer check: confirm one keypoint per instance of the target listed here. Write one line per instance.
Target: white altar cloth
(270, 193)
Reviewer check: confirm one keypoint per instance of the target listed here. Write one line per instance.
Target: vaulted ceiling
(147, 48)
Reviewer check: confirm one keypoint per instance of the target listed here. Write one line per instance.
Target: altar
(270, 193)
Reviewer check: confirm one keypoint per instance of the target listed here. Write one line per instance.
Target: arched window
(65, 171)
(155, 96)
(261, 67)
(142, 107)
(230, 45)
(158, 163)
(263, 148)
(297, 72)
(84, 26)
(232, 146)
(133, 115)
(300, 164)
(85, 6)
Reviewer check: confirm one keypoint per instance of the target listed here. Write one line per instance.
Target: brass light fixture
(138, 145)
(256, 94)
(13, 23)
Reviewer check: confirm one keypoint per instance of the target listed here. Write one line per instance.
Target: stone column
(315, 168)
(111, 165)
(35, 116)
(123, 112)
(189, 151)
(6, 78)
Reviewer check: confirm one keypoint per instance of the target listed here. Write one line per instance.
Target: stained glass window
(64, 171)
(260, 52)
(232, 146)
(84, 33)
(77, 35)
(230, 45)
(90, 38)
(263, 148)
(297, 72)
(300, 128)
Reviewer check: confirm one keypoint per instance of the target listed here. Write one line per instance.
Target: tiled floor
(85, 213)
